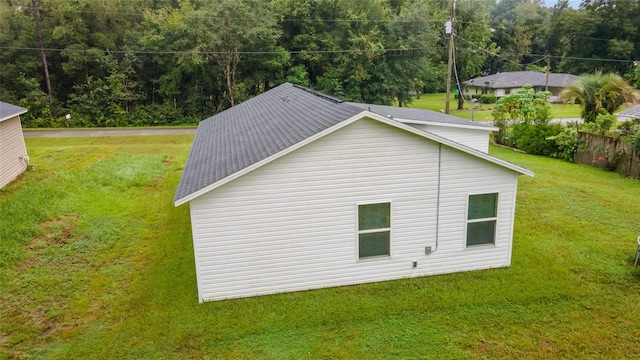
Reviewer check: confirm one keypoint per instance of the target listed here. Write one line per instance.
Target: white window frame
(370, 231)
(494, 219)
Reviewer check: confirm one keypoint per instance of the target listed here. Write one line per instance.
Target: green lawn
(96, 263)
(436, 102)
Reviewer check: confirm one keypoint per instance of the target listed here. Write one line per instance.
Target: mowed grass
(97, 263)
(436, 102)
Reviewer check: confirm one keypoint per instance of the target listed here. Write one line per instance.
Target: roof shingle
(256, 129)
(8, 111)
(271, 122)
(632, 112)
(516, 79)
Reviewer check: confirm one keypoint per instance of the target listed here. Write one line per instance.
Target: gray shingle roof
(419, 115)
(516, 79)
(632, 112)
(269, 123)
(8, 111)
(256, 129)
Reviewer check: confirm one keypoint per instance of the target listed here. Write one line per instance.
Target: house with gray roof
(295, 190)
(504, 83)
(631, 113)
(13, 152)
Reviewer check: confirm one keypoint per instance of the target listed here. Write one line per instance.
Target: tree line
(168, 62)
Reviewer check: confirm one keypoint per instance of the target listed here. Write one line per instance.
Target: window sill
(480, 246)
(373, 258)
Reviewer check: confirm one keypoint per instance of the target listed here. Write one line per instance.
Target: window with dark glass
(482, 216)
(374, 230)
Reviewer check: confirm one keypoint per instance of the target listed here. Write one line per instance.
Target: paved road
(567, 121)
(108, 132)
(154, 131)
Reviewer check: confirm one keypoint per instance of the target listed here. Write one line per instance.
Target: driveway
(108, 132)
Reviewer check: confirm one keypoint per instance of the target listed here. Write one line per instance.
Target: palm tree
(599, 93)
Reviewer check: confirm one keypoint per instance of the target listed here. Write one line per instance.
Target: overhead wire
(295, 52)
(201, 52)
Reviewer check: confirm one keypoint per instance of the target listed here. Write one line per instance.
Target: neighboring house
(502, 84)
(632, 113)
(13, 152)
(294, 190)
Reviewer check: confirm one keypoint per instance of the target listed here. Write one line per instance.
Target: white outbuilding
(13, 152)
(295, 190)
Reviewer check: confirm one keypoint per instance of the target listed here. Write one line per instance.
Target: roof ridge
(318, 94)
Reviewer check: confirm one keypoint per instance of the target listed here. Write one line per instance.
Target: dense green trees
(147, 62)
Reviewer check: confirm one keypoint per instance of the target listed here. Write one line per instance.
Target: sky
(573, 3)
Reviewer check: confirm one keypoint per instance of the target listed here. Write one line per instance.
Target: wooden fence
(608, 153)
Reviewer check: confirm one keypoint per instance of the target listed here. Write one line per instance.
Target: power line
(604, 39)
(298, 52)
(488, 52)
(541, 55)
(200, 52)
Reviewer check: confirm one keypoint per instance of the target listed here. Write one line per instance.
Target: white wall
(12, 150)
(292, 224)
(474, 138)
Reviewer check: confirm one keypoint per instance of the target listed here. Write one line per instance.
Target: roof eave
(21, 112)
(356, 117)
(444, 124)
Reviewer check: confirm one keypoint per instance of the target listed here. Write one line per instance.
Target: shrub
(502, 135)
(536, 138)
(628, 131)
(524, 105)
(608, 163)
(628, 127)
(159, 114)
(567, 142)
(600, 126)
(488, 99)
(636, 143)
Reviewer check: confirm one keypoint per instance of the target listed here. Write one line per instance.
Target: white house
(504, 83)
(295, 190)
(13, 152)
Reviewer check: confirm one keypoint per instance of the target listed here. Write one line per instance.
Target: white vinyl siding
(289, 225)
(474, 138)
(13, 153)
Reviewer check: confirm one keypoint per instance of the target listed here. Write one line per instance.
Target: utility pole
(546, 84)
(34, 4)
(449, 30)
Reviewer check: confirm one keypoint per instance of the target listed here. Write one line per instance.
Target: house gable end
(364, 114)
(292, 224)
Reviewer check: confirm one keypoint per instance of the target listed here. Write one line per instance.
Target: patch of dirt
(58, 230)
(547, 346)
(167, 161)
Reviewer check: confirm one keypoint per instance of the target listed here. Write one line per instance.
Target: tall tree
(36, 17)
(231, 28)
(607, 33)
(517, 25)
